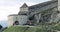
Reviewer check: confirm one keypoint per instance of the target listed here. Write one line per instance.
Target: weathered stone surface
(42, 12)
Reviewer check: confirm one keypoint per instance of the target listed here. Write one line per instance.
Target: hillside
(25, 29)
(20, 29)
(53, 27)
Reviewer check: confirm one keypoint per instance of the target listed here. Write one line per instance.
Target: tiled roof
(14, 15)
(42, 4)
(24, 5)
(36, 6)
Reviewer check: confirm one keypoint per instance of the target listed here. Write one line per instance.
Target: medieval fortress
(32, 15)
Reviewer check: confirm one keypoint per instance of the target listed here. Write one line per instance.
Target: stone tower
(20, 18)
(23, 9)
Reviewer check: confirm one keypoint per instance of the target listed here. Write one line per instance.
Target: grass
(25, 29)
(52, 27)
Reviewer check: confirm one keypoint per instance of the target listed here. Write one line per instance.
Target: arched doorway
(16, 23)
(31, 20)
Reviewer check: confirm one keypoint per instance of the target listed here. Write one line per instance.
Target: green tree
(0, 27)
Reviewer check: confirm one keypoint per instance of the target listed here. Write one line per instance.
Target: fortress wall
(59, 5)
(10, 21)
(22, 19)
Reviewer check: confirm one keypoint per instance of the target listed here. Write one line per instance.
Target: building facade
(32, 15)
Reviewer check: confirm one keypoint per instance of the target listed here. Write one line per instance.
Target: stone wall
(59, 5)
(22, 19)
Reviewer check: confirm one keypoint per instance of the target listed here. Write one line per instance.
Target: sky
(8, 7)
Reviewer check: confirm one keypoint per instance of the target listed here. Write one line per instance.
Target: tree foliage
(0, 26)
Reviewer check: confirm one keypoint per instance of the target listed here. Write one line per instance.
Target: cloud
(8, 7)
(17, 2)
(5, 11)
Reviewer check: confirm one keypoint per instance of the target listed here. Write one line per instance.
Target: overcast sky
(8, 7)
